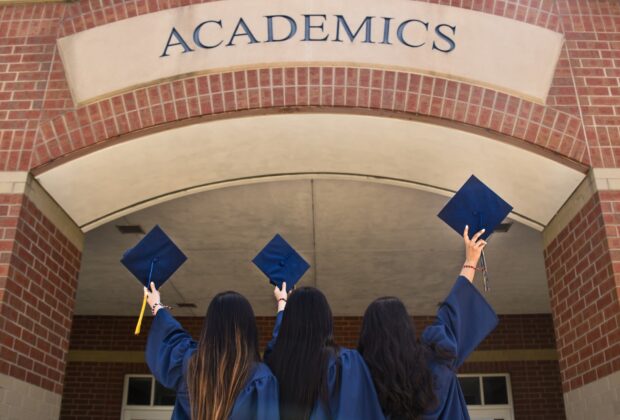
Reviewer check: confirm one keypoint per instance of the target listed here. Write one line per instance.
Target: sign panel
(459, 44)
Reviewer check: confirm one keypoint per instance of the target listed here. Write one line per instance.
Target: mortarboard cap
(154, 259)
(281, 263)
(477, 206)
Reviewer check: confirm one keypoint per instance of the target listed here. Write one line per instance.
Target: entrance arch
(156, 167)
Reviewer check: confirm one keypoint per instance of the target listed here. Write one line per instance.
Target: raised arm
(280, 296)
(168, 344)
(465, 318)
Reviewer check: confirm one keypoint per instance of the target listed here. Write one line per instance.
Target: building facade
(344, 127)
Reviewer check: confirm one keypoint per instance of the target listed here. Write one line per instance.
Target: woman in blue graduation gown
(417, 379)
(318, 380)
(219, 377)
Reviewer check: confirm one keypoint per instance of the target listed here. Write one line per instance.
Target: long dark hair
(397, 361)
(302, 352)
(226, 354)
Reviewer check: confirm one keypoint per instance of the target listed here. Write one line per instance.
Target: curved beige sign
(482, 49)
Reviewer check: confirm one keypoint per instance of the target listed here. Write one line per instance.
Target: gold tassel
(137, 331)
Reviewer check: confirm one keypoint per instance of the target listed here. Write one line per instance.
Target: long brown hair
(301, 354)
(226, 355)
(398, 362)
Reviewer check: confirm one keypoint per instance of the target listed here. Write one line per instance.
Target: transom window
(145, 398)
(144, 390)
(488, 396)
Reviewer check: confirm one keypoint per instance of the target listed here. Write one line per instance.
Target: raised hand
(473, 249)
(153, 297)
(280, 295)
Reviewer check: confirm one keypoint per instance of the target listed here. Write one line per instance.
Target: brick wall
(94, 390)
(583, 267)
(39, 123)
(38, 279)
(536, 387)
(592, 31)
(116, 333)
(27, 82)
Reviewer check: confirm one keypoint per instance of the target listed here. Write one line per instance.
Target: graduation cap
(154, 259)
(281, 263)
(477, 206)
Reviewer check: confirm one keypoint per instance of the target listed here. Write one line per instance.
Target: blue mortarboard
(281, 263)
(477, 206)
(154, 259)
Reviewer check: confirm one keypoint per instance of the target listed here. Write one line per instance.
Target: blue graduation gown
(463, 321)
(168, 350)
(356, 397)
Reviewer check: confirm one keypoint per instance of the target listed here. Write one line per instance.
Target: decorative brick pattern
(583, 268)
(38, 279)
(309, 87)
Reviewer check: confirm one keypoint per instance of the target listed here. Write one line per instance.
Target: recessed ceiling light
(127, 229)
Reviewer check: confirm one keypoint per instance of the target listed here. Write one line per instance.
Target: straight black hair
(301, 354)
(397, 361)
(226, 355)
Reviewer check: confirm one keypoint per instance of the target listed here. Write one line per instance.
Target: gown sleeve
(356, 398)
(167, 347)
(274, 335)
(463, 320)
(259, 399)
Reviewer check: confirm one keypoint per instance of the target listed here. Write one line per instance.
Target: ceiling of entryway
(363, 240)
(126, 176)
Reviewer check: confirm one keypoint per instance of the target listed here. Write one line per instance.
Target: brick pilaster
(583, 268)
(38, 280)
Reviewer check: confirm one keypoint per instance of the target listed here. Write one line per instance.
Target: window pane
(495, 390)
(163, 396)
(139, 391)
(471, 390)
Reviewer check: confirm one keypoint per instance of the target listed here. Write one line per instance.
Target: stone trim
(23, 183)
(116, 356)
(20, 400)
(596, 400)
(598, 179)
